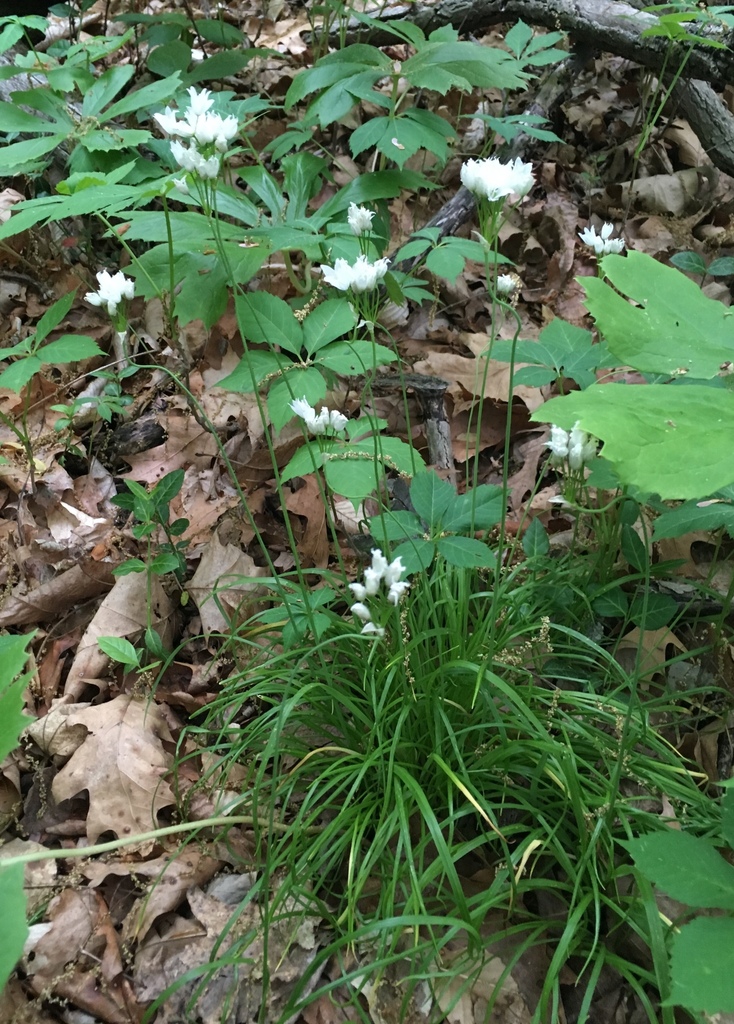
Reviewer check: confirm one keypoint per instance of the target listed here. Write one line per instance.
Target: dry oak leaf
(121, 764)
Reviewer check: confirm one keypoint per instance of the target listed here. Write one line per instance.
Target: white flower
(372, 581)
(506, 285)
(575, 445)
(370, 627)
(558, 443)
(361, 277)
(361, 611)
(394, 571)
(112, 290)
(199, 102)
(169, 122)
(318, 423)
(379, 562)
(197, 55)
(359, 219)
(396, 591)
(601, 244)
(194, 161)
(581, 447)
(491, 179)
(358, 590)
(181, 185)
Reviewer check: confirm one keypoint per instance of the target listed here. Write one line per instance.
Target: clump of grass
(384, 774)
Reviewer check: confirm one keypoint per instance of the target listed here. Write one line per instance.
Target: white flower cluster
(491, 179)
(507, 285)
(363, 276)
(318, 423)
(359, 219)
(381, 571)
(602, 244)
(113, 288)
(575, 445)
(209, 134)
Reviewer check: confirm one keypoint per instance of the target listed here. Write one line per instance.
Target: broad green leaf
(395, 526)
(352, 358)
(13, 119)
(302, 175)
(653, 611)
(691, 262)
(309, 458)
(167, 487)
(149, 96)
(478, 509)
(465, 552)
(686, 867)
(267, 320)
(445, 262)
(661, 439)
(14, 931)
(692, 516)
(304, 382)
(353, 478)
(535, 540)
(119, 649)
(255, 365)
(13, 657)
(265, 188)
(69, 349)
(19, 155)
(416, 554)
(329, 321)
(17, 375)
(105, 88)
(612, 603)
(702, 966)
(170, 59)
(369, 187)
(633, 549)
(220, 65)
(396, 454)
(673, 329)
(722, 267)
(431, 496)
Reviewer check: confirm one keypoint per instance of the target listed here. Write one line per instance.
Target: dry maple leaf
(121, 764)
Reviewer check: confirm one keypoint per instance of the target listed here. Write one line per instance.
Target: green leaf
(329, 321)
(661, 439)
(702, 966)
(170, 59)
(690, 262)
(268, 320)
(416, 554)
(130, 566)
(53, 316)
(166, 561)
(691, 516)
(305, 383)
(69, 349)
(395, 526)
(13, 119)
(445, 261)
(167, 488)
(686, 867)
(16, 376)
(654, 612)
(254, 364)
(353, 478)
(612, 603)
(221, 65)
(431, 496)
(465, 552)
(633, 549)
(535, 541)
(105, 88)
(149, 96)
(308, 459)
(478, 509)
(673, 328)
(13, 657)
(352, 358)
(14, 931)
(120, 650)
(722, 267)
